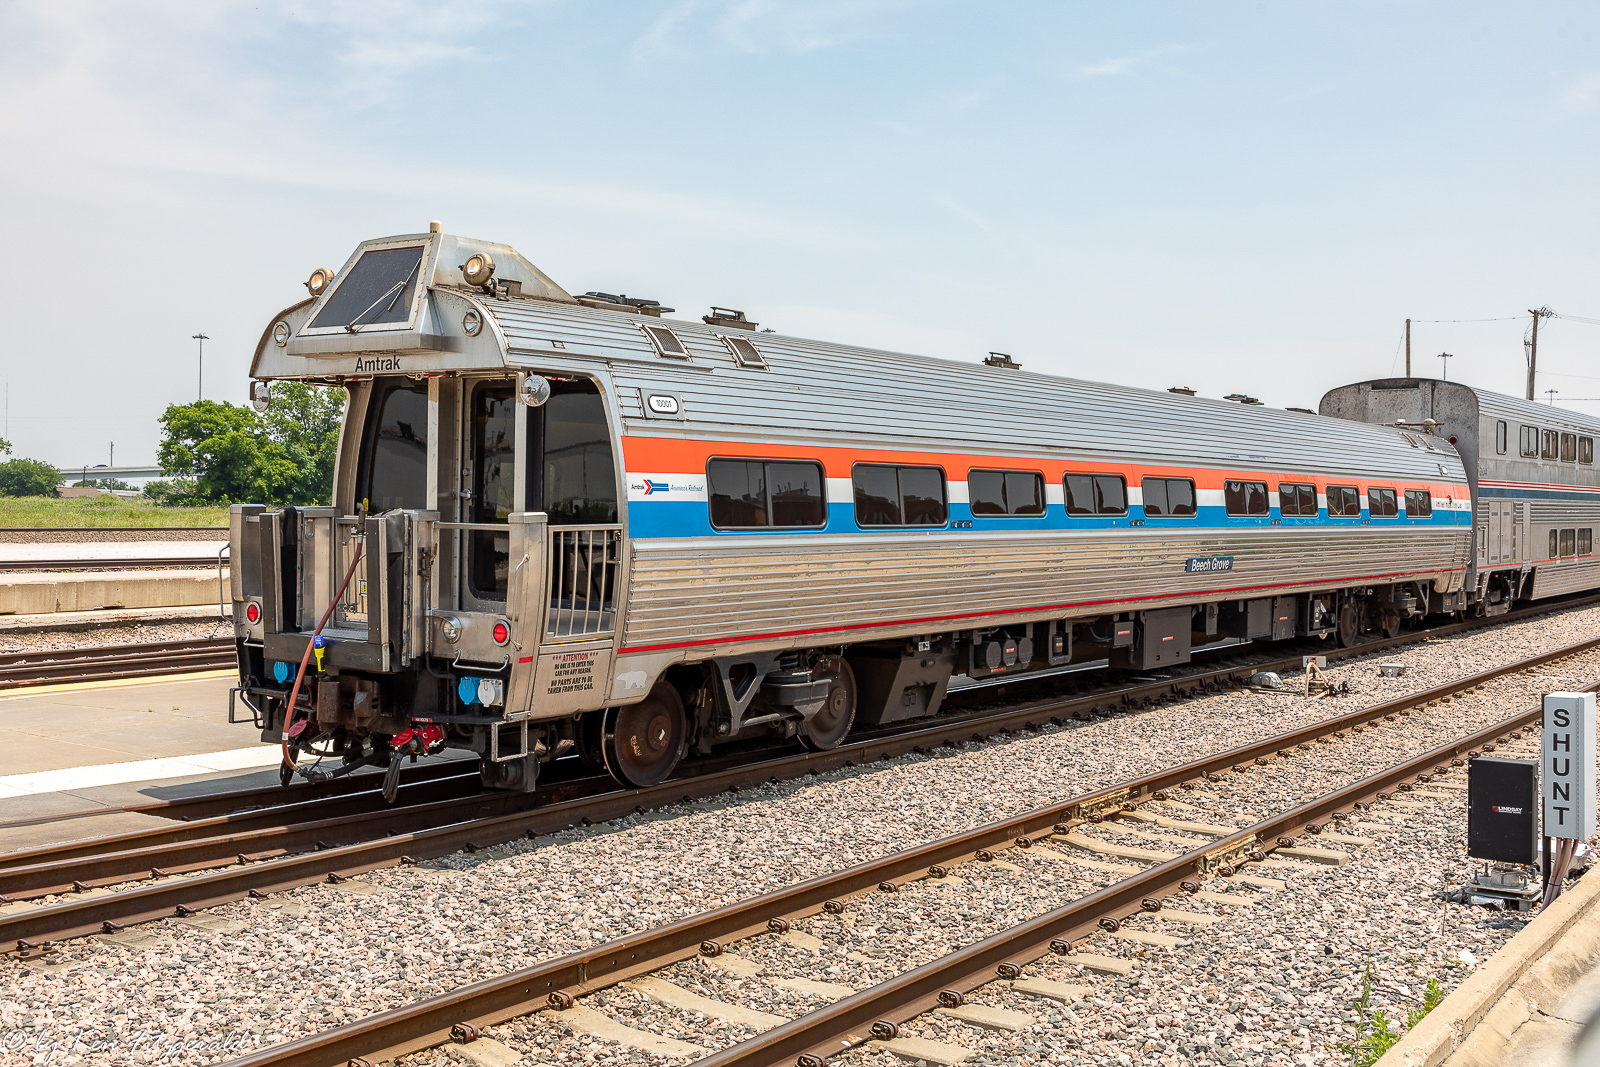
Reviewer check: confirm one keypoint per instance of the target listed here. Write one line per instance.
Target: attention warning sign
(573, 672)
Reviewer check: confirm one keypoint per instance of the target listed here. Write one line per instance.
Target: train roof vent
(614, 302)
(1181, 390)
(1241, 398)
(728, 317)
(1000, 359)
(745, 354)
(666, 342)
(1303, 411)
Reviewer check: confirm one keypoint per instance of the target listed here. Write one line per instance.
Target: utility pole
(1408, 348)
(1551, 393)
(113, 462)
(1444, 357)
(202, 338)
(1532, 345)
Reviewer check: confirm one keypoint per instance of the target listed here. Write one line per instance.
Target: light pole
(1444, 358)
(200, 376)
(1551, 393)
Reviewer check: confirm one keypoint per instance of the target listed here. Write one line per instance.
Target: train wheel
(1391, 624)
(642, 743)
(828, 727)
(1349, 624)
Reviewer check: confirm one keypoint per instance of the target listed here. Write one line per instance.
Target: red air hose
(299, 675)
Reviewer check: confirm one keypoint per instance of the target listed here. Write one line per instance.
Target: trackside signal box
(1503, 810)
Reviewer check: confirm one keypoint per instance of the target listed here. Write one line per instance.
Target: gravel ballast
(269, 971)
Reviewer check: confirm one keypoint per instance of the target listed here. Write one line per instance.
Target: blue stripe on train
(690, 518)
(1589, 496)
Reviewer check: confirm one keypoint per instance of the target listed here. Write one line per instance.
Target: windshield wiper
(391, 294)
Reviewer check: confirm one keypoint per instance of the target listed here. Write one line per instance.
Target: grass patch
(1376, 1033)
(33, 512)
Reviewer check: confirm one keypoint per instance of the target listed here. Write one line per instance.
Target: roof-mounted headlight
(318, 282)
(478, 268)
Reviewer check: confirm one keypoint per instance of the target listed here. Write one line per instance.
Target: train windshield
(394, 468)
(378, 289)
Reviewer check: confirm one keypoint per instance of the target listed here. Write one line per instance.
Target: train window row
(1572, 542)
(758, 494)
(1534, 443)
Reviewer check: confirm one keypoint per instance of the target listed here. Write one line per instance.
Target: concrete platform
(115, 729)
(36, 593)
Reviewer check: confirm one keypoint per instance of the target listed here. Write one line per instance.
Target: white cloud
(1125, 64)
(1583, 96)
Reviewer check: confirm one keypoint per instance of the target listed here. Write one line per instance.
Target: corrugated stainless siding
(688, 592)
(817, 391)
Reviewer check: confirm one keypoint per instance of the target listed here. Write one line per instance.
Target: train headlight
(260, 395)
(280, 333)
(472, 322)
(478, 268)
(450, 628)
(317, 284)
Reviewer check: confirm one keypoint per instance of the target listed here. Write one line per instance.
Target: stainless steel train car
(1532, 472)
(569, 524)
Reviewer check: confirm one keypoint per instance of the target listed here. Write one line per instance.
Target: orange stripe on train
(672, 455)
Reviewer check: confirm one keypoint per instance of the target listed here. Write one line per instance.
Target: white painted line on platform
(117, 683)
(145, 770)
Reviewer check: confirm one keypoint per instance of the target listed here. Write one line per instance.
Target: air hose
(299, 675)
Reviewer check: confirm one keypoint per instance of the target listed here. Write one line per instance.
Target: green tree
(28, 477)
(305, 420)
(225, 453)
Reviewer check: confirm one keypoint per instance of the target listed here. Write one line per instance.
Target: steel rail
(808, 1040)
(110, 662)
(344, 845)
(124, 564)
(286, 829)
(180, 896)
(429, 1022)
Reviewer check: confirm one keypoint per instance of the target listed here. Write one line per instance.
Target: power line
(1508, 318)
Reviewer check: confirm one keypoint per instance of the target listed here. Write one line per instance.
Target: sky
(1233, 197)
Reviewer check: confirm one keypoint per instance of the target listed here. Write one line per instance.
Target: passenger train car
(569, 524)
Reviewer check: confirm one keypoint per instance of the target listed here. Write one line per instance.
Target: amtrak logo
(666, 486)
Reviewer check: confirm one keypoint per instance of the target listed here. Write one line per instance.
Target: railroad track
(279, 849)
(143, 563)
(96, 663)
(1087, 829)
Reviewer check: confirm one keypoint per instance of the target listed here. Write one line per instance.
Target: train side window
(1016, 493)
(1569, 448)
(1585, 450)
(1569, 542)
(1528, 442)
(1096, 494)
(666, 342)
(576, 475)
(1172, 497)
(1585, 540)
(753, 494)
(1344, 501)
(1552, 445)
(1500, 436)
(1419, 503)
(1381, 503)
(898, 496)
(1297, 499)
(1245, 498)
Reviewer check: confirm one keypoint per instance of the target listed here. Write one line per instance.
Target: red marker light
(252, 613)
(501, 634)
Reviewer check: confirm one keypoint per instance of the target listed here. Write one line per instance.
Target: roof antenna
(435, 226)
